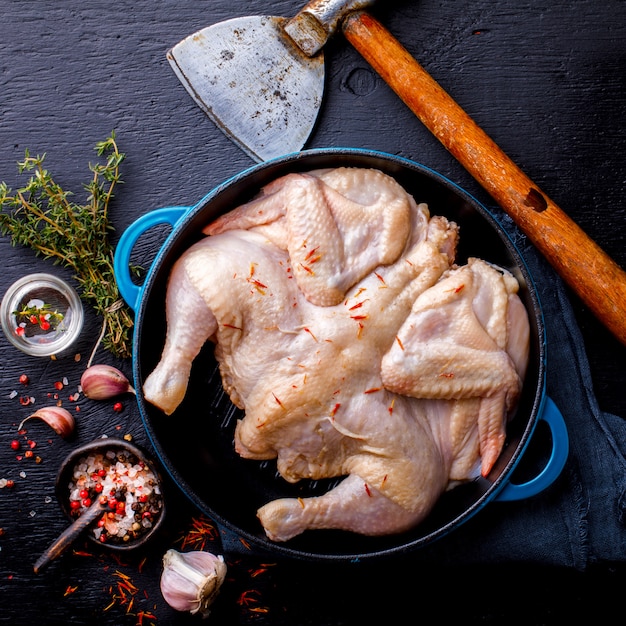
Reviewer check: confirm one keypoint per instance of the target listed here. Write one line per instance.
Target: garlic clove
(102, 382)
(191, 580)
(58, 418)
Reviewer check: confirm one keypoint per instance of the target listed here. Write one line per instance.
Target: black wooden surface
(546, 79)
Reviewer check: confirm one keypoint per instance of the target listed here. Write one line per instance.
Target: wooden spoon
(69, 535)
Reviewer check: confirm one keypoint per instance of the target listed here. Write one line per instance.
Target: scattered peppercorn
(126, 486)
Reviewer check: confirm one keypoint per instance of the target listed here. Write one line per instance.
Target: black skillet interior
(195, 444)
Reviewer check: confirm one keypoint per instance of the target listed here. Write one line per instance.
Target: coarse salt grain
(125, 480)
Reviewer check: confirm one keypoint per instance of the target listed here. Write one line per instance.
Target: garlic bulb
(101, 382)
(191, 580)
(58, 418)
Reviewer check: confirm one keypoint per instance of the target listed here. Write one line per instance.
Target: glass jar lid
(41, 314)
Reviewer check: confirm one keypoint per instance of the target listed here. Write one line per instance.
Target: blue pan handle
(560, 450)
(121, 259)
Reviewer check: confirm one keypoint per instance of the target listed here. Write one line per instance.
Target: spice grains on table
(544, 79)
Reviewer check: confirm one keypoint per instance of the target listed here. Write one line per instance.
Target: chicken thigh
(354, 345)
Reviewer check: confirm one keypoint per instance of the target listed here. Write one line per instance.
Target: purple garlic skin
(58, 418)
(190, 581)
(102, 382)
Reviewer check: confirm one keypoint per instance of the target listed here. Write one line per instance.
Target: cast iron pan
(195, 444)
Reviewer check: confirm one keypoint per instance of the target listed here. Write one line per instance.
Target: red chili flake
(231, 326)
(82, 553)
(380, 278)
(58, 385)
(373, 390)
(335, 409)
(15, 444)
(311, 253)
(400, 343)
(447, 375)
(359, 317)
(10, 483)
(390, 409)
(32, 444)
(144, 614)
(248, 597)
(358, 305)
(118, 407)
(308, 330)
(257, 284)
(367, 489)
(25, 400)
(70, 590)
(459, 288)
(24, 379)
(277, 400)
(29, 454)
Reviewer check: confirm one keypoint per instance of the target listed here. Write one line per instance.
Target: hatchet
(261, 80)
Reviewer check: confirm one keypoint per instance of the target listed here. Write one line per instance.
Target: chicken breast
(354, 345)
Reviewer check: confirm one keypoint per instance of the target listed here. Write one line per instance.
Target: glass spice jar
(41, 314)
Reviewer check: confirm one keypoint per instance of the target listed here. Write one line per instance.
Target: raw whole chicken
(353, 343)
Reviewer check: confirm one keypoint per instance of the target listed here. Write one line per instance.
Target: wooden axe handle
(587, 269)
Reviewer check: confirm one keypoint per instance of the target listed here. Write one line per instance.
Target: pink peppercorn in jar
(41, 315)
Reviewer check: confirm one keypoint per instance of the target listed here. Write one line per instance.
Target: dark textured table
(544, 79)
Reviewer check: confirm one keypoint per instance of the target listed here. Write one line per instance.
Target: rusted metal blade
(257, 86)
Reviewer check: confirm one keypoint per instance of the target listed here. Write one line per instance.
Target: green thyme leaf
(44, 217)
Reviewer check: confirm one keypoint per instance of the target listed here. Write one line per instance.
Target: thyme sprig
(42, 215)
